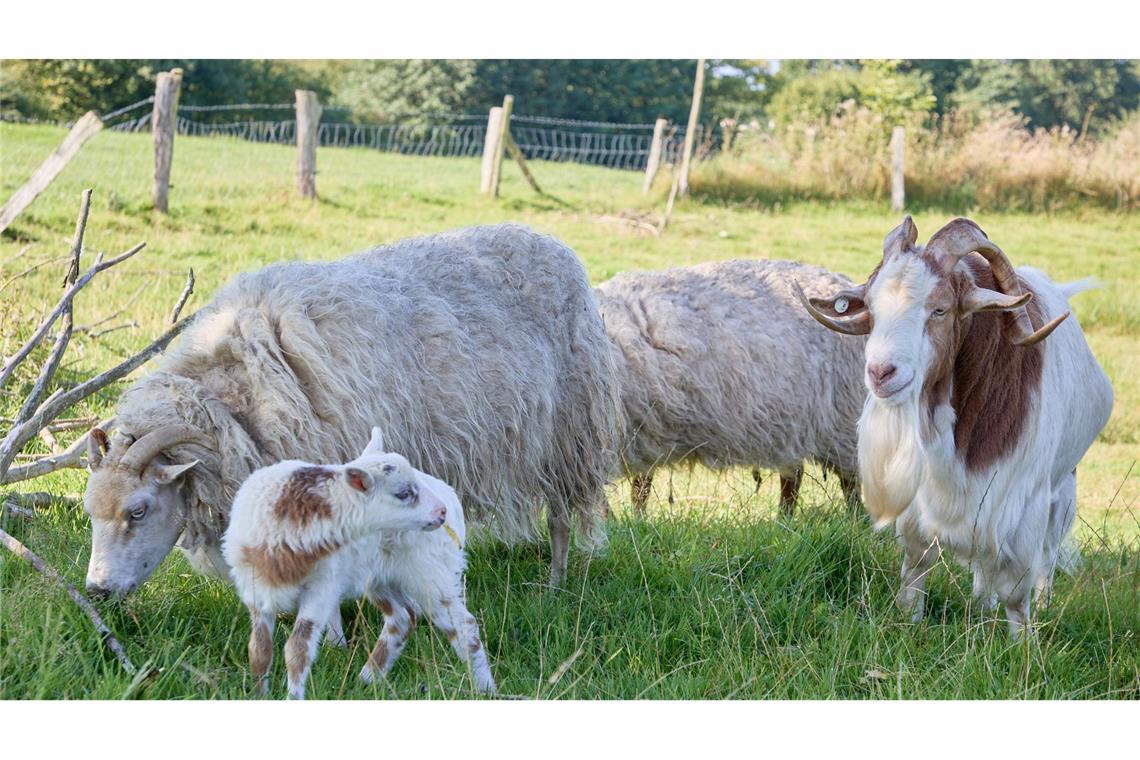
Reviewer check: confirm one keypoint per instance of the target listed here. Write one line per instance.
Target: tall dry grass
(958, 161)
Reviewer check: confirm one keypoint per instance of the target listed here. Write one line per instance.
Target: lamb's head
(136, 503)
(395, 500)
(916, 307)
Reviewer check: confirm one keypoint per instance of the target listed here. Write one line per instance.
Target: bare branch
(47, 372)
(21, 551)
(63, 305)
(186, 293)
(73, 457)
(99, 333)
(48, 438)
(58, 402)
(77, 241)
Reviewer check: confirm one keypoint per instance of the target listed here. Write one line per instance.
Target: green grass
(709, 596)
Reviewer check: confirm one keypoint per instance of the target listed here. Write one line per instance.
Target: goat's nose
(881, 373)
(97, 591)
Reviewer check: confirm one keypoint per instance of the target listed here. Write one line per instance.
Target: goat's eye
(138, 512)
(938, 312)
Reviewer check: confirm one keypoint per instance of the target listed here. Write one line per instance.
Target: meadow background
(711, 594)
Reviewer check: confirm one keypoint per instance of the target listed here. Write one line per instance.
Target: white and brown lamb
(303, 537)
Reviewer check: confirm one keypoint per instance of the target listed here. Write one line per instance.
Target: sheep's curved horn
(961, 237)
(146, 448)
(859, 323)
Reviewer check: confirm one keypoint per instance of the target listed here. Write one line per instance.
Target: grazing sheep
(718, 364)
(975, 424)
(302, 537)
(481, 349)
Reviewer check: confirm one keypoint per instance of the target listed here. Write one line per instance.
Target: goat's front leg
(450, 615)
(301, 648)
(261, 647)
(919, 556)
(399, 621)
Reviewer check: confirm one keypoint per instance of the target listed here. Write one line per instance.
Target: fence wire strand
(609, 144)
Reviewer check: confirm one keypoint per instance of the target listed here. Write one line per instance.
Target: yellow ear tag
(453, 534)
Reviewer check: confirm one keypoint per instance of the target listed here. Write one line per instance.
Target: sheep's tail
(1069, 556)
(1070, 289)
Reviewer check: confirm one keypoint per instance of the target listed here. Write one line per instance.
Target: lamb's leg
(559, 548)
(261, 647)
(640, 486)
(919, 556)
(334, 636)
(399, 620)
(313, 615)
(450, 615)
(790, 489)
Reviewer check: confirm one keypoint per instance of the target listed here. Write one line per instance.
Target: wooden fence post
(490, 145)
(501, 144)
(898, 184)
(163, 121)
(691, 130)
(308, 119)
(654, 162)
(84, 130)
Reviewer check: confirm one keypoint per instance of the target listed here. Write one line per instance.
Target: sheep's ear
(165, 474)
(359, 480)
(375, 444)
(97, 446)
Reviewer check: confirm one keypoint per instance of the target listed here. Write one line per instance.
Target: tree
(1085, 94)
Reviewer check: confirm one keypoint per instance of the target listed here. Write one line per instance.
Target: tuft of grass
(712, 595)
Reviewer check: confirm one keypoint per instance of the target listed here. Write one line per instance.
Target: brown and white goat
(974, 425)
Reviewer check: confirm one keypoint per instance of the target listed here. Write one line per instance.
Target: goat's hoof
(366, 674)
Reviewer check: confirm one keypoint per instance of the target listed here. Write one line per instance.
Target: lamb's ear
(97, 446)
(359, 480)
(375, 444)
(165, 474)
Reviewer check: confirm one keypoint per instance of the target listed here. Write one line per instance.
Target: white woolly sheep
(303, 537)
(975, 424)
(717, 363)
(481, 350)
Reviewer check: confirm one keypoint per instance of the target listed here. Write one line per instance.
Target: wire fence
(613, 145)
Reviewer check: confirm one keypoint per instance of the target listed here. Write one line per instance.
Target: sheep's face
(136, 516)
(395, 500)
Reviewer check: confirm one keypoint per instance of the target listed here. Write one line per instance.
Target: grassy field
(711, 595)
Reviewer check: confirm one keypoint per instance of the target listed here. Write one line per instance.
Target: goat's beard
(891, 462)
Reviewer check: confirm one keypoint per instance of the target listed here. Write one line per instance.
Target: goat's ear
(982, 299)
(359, 480)
(165, 474)
(375, 444)
(97, 446)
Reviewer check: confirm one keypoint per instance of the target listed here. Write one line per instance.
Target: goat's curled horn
(961, 237)
(146, 448)
(857, 323)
